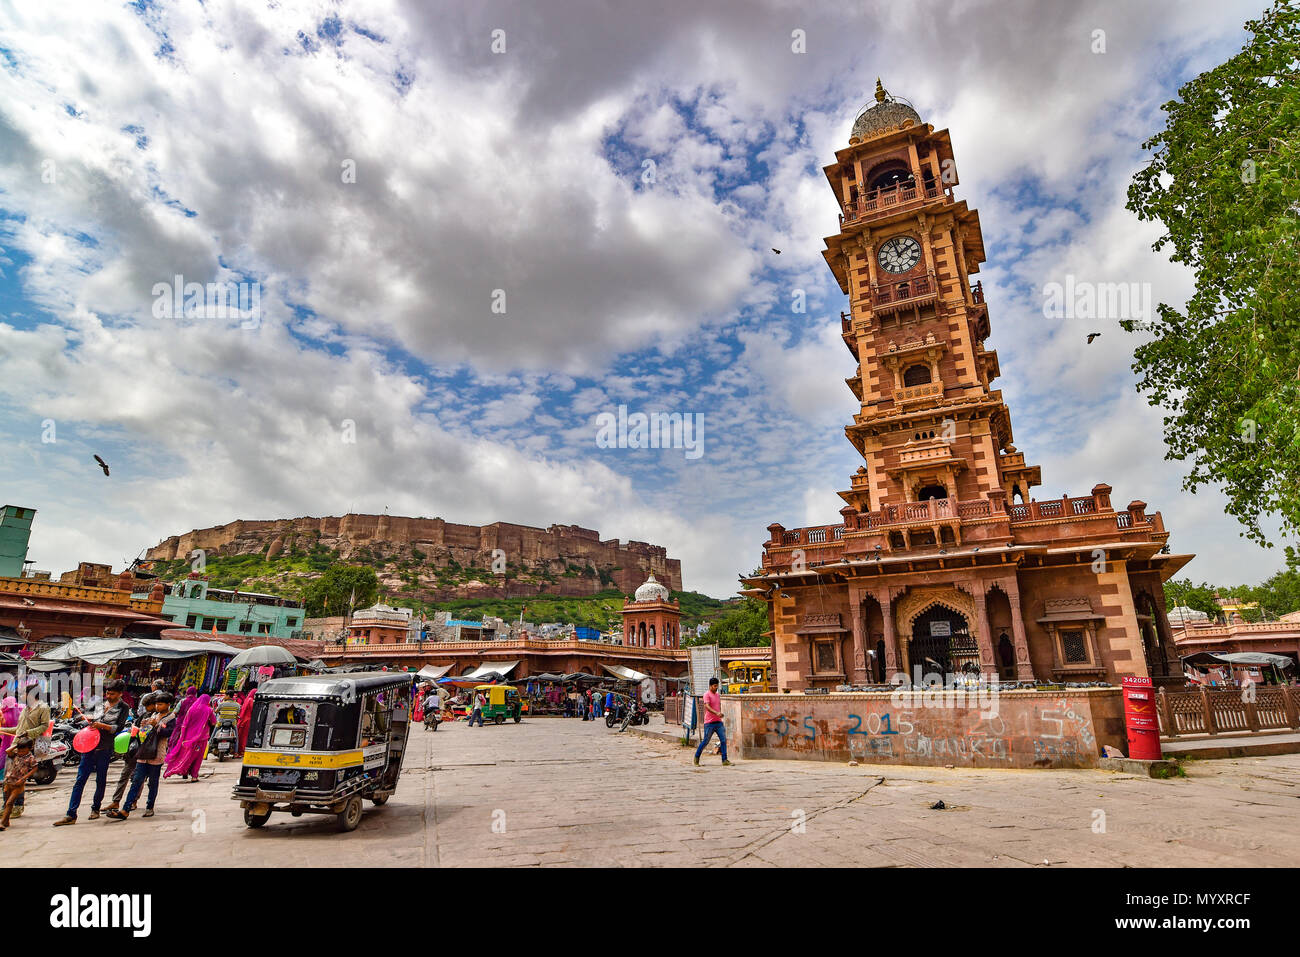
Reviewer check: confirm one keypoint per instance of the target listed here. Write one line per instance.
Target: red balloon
(85, 740)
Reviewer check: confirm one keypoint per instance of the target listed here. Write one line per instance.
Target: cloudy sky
(474, 228)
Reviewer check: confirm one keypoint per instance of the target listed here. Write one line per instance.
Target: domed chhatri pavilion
(651, 619)
(940, 560)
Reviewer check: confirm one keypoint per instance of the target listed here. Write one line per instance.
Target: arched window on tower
(916, 375)
(890, 176)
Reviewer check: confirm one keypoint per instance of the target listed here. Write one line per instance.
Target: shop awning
(1239, 658)
(100, 651)
(502, 668)
(433, 671)
(627, 674)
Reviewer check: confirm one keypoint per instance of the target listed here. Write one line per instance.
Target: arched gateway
(942, 644)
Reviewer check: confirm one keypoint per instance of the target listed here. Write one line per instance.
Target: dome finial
(881, 92)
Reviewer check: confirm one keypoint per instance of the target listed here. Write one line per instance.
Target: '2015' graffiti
(876, 723)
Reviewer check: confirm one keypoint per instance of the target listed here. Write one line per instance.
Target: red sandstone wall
(1019, 729)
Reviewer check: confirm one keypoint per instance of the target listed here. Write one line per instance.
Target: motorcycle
(62, 736)
(432, 719)
(225, 741)
(636, 714)
(614, 713)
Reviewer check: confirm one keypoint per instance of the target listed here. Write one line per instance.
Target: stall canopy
(433, 671)
(502, 668)
(100, 651)
(627, 674)
(1211, 658)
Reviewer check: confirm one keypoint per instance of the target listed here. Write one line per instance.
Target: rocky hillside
(423, 559)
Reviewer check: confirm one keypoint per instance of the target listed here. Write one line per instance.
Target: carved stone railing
(919, 393)
(903, 292)
(1207, 711)
(890, 199)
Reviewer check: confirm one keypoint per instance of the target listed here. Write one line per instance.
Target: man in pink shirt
(713, 722)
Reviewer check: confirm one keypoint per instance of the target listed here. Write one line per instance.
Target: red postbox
(1141, 720)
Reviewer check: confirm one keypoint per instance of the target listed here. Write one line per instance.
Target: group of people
(169, 735)
(588, 704)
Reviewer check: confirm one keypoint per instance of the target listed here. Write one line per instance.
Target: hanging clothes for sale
(193, 673)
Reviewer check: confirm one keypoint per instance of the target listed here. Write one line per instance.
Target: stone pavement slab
(570, 793)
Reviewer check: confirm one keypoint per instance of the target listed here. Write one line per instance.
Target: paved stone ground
(574, 793)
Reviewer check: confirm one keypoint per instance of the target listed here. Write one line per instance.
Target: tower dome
(651, 590)
(888, 113)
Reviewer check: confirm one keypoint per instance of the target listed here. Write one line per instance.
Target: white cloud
(522, 172)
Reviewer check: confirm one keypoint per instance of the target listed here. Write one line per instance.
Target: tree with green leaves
(341, 589)
(739, 626)
(1224, 180)
(1197, 597)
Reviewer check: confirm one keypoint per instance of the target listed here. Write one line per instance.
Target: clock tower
(941, 563)
(930, 427)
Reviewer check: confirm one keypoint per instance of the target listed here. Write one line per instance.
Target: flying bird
(102, 464)
(1091, 336)
(777, 251)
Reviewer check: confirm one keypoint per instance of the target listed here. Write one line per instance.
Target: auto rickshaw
(748, 677)
(320, 744)
(502, 703)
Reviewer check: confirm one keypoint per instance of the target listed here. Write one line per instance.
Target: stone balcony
(903, 294)
(974, 521)
(879, 203)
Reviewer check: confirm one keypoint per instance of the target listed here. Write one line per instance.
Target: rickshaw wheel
(500, 719)
(255, 820)
(380, 800)
(350, 816)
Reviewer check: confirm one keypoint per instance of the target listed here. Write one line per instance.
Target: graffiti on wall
(1023, 732)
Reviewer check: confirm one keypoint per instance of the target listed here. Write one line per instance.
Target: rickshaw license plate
(279, 777)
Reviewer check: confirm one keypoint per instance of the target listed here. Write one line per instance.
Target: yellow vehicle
(320, 744)
(748, 677)
(502, 703)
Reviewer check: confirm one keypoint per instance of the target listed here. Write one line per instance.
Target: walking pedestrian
(108, 718)
(186, 755)
(129, 759)
(9, 712)
(157, 727)
(713, 722)
(20, 764)
(477, 713)
(33, 725)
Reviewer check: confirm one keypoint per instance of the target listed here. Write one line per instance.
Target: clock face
(899, 254)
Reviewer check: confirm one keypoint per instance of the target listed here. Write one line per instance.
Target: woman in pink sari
(9, 712)
(186, 756)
